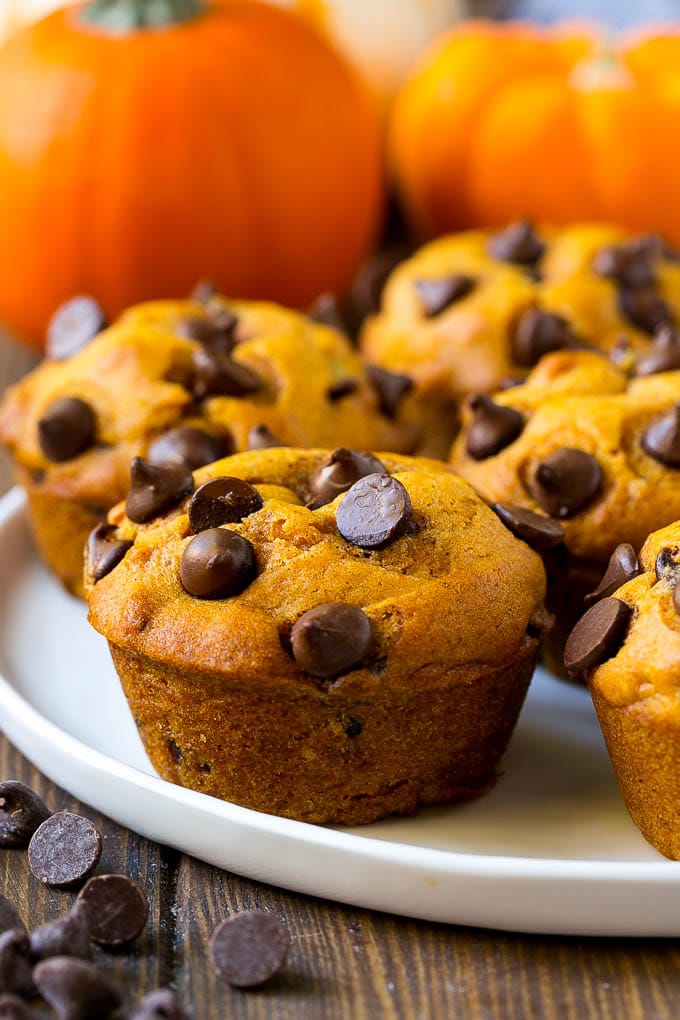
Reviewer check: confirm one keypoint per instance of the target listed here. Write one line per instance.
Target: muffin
(332, 637)
(180, 382)
(469, 311)
(628, 645)
(588, 446)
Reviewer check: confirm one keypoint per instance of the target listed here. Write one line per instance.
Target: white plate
(551, 849)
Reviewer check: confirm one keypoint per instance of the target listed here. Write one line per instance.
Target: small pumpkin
(144, 145)
(504, 121)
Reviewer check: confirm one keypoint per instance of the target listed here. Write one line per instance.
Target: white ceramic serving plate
(550, 849)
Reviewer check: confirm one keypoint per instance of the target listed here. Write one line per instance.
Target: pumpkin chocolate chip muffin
(469, 311)
(628, 646)
(333, 637)
(176, 382)
(588, 448)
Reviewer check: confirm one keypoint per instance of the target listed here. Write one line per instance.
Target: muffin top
(628, 642)
(470, 310)
(185, 382)
(283, 566)
(583, 443)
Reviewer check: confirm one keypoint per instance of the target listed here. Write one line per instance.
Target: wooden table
(345, 963)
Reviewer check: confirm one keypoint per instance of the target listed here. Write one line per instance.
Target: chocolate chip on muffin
(187, 447)
(66, 429)
(566, 481)
(222, 500)
(376, 511)
(217, 564)
(339, 472)
(662, 439)
(105, 551)
(331, 639)
(153, 490)
(72, 327)
(438, 295)
(493, 427)
(518, 243)
(623, 566)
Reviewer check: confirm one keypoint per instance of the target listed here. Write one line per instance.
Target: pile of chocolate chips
(55, 961)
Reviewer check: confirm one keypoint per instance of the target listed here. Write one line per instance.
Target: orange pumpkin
(227, 141)
(503, 121)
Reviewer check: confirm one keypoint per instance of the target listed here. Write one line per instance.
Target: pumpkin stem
(121, 16)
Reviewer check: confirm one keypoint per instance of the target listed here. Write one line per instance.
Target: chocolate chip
(186, 447)
(218, 375)
(326, 311)
(341, 388)
(14, 1008)
(628, 264)
(339, 472)
(663, 355)
(76, 990)
(153, 490)
(72, 327)
(493, 427)
(541, 533)
(67, 936)
(223, 500)
(65, 849)
(15, 964)
(216, 332)
(104, 552)
(262, 438)
(566, 481)
(667, 565)
(438, 295)
(645, 308)
(21, 812)
(376, 511)
(369, 283)
(597, 636)
(537, 333)
(623, 566)
(66, 429)
(249, 948)
(8, 916)
(517, 243)
(203, 292)
(331, 639)
(116, 909)
(217, 564)
(160, 1005)
(662, 439)
(353, 727)
(391, 388)
(676, 598)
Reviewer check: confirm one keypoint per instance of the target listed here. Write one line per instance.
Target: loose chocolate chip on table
(67, 936)
(597, 636)
(566, 481)
(438, 295)
(217, 564)
(159, 1005)
(662, 439)
(629, 264)
(663, 355)
(645, 308)
(517, 243)
(76, 990)
(249, 948)
(376, 511)
(153, 490)
(216, 332)
(66, 429)
(326, 311)
(337, 474)
(262, 438)
(391, 388)
(16, 964)
(342, 388)
(541, 533)
(218, 375)
(331, 639)
(537, 333)
(104, 552)
(14, 1008)
(223, 500)
(115, 907)
(21, 812)
(72, 327)
(9, 917)
(668, 565)
(493, 427)
(186, 447)
(65, 849)
(623, 566)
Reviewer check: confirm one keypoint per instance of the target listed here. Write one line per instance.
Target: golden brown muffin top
(472, 309)
(581, 442)
(437, 581)
(629, 641)
(241, 373)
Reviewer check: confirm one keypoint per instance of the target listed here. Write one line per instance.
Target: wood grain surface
(344, 963)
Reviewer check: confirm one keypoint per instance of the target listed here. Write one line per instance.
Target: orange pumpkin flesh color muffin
(628, 645)
(182, 382)
(329, 637)
(590, 448)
